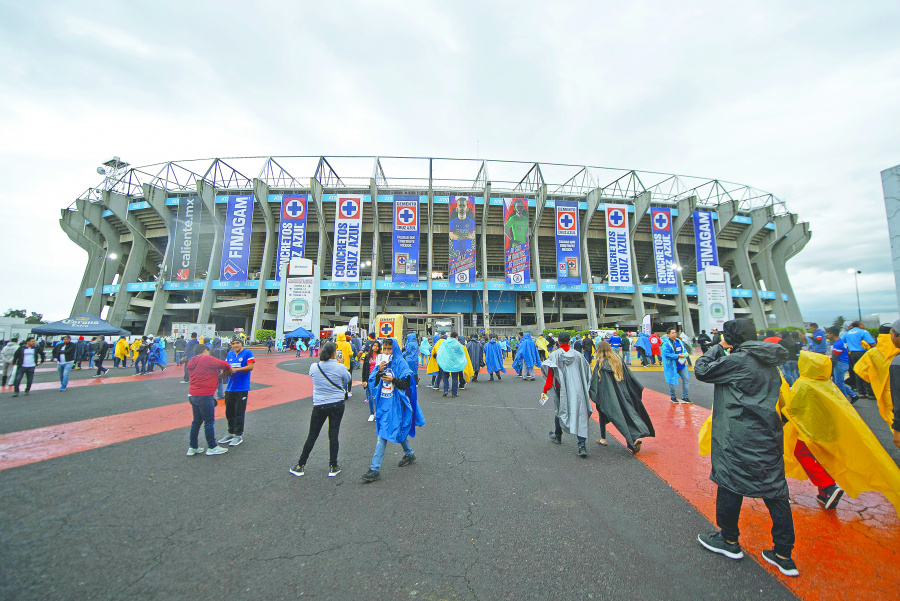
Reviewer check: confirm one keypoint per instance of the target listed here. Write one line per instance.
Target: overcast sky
(796, 98)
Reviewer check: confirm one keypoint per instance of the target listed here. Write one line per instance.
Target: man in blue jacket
(858, 341)
(674, 357)
(819, 342)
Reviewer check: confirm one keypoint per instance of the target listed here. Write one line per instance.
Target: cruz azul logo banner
(187, 226)
(517, 250)
(663, 249)
(568, 244)
(347, 236)
(618, 247)
(236, 246)
(705, 238)
(406, 238)
(292, 231)
(462, 239)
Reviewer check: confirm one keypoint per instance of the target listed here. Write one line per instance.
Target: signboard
(406, 239)
(236, 245)
(714, 298)
(347, 239)
(618, 246)
(462, 239)
(291, 231)
(663, 246)
(187, 226)
(568, 244)
(299, 303)
(705, 240)
(517, 250)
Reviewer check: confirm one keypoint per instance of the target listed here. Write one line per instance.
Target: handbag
(346, 396)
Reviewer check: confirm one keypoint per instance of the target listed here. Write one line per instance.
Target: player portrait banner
(187, 227)
(705, 239)
(347, 238)
(618, 247)
(236, 246)
(462, 239)
(663, 247)
(406, 238)
(568, 244)
(517, 249)
(291, 231)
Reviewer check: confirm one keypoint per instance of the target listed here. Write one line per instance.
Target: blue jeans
(684, 375)
(838, 374)
(378, 457)
(63, 370)
(178, 357)
(371, 401)
(446, 377)
(220, 389)
(626, 356)
(28, 373)
(204, 408)
(790, 371)
(140, 364)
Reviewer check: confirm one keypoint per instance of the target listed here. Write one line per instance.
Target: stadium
(507, 244)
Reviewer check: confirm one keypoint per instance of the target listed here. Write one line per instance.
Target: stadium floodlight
(115, 163)
(101, 170)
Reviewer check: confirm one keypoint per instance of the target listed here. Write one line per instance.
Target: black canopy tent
(83, 324)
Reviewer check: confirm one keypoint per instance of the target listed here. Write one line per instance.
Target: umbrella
(300, 332)
(83, 324)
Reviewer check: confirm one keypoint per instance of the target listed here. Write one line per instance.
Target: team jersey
(839, 350)
(519, 226)
(239, 381)
(462, 228)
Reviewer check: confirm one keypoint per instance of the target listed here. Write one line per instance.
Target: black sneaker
(715, 543)
(371, 476)
(407, 459)
(334, 470)
(298, 470)
(686, 401)
(674, 401)
(499, 378)
(582, 452)
(786, 566)
(15, 394)
(445, 394)
(555, 438)
(831, 497)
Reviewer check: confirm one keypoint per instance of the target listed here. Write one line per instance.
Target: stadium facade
(507, 243)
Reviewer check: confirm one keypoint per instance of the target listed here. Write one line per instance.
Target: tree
(20, 313)
(35, 318)
(838, 322)
(261, 334)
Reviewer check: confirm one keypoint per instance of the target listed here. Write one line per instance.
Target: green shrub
(261, 335)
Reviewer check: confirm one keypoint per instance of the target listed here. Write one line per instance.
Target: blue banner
(236, 245)
(663, 247)
(462, 239)
(292, 231)
(568, 244)
(406, 238)
(517, 250)
(618, 246)
(705, 240)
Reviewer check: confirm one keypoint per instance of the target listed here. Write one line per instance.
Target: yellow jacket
(134, 348)
(873, 368)
(121, 348)
(541, 343)
(344, 349)
(433, 368)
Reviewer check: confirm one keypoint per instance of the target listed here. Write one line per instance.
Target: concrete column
(484, 271)
(783, 250)
(593, 201)
(93, 212)
(890, 183)
(726, 212)
(376, 252)
(261, 194)
(72, 223)
(207, 195)
(137, 254)
(540, 198)
(156, 198)
(760, 217)
(641, 204)
(764, 262)
(324, 241)
(429, 293)
(685, 215)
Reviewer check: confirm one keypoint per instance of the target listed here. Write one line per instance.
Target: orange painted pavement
(852, 552)
(40, 444)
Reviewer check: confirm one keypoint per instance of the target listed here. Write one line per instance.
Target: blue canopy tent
(83, 324)
(300, 332)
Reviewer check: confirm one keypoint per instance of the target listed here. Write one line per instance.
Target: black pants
(543, 354)
(235, 408)
(99, 364)
(333, 412)
(559, 431)
(857, 383)
(728, 511)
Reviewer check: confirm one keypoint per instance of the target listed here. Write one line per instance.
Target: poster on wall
(568, 244)
(618, 246)
(663, 247)
(462, 239)
(347, 238)
(517, 250)
(406, 238)
(236, 245)
(705, 239)
(291, 231)
(187, 225)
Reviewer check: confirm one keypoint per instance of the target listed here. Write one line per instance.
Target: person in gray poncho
(747, 440)
(568, 383)
(476, 355)
(617, 395)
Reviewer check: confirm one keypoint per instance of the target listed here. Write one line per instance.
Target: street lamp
(856, 273)
(680, 278)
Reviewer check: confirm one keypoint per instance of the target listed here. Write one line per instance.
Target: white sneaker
(349, 394)
(235, 441)
(192, 451)
(371, 418)
(226, 438)
(218, 450)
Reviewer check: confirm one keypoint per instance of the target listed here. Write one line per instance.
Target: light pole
(856, 273)
(680, 279)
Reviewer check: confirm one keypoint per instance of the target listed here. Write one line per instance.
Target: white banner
(299, 303)
(618, 245)
(347, 238)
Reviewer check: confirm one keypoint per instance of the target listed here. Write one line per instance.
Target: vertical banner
(517, 250)
(663, 247)
(568, 244)
(292, 231)
(618, 247)
(347, 238)
(462, 239)
(299, 303)
(187, 225)
(406, 238)
(705, 239)
(236, 246)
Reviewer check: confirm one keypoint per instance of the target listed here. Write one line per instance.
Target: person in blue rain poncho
(424, 351)
(527, 357)
(452, 361)
(411, 352)
(397, 413)
(493, 357)
(157, 356)
(644, 348)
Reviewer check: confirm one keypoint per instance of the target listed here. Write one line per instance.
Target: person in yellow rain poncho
(874, 368)
(134, 348)
(541, 344)
(121, 352)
